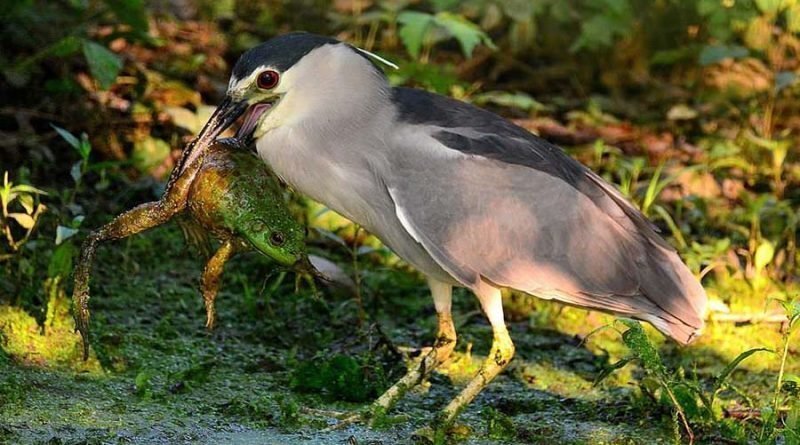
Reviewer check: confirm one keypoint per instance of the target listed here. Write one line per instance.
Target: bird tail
(674, 300)
(680, 298)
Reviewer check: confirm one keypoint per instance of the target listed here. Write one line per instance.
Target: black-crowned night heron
(462, 194)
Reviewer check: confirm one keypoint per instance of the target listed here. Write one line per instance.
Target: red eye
(267, 79)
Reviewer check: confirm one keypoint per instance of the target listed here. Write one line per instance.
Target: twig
(772, 317)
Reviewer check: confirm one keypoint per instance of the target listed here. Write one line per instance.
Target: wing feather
(577, 239)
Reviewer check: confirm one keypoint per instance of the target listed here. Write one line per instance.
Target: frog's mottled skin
(233, 193)
(230, 193)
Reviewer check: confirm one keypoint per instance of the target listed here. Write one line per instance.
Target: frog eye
(277, 239)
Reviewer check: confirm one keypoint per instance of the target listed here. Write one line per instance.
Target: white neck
(325, 133)
(332, 89)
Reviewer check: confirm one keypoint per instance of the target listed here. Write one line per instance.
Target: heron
(462, 194)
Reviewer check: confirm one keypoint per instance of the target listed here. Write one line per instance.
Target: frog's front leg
(136, 220)
(212, 275)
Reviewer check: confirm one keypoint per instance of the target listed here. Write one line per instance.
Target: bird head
(291, 78)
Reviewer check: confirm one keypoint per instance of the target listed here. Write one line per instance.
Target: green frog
(227, 191)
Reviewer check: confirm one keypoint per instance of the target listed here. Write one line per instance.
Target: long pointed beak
(223, 117)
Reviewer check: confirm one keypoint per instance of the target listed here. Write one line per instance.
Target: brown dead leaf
(351, 6)
(743, 77)
(732, 188)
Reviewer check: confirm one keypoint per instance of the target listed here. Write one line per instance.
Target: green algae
(165, 379)
(52, 344)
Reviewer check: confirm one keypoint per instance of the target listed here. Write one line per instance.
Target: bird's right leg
(442, 348)
(136, 220)
(212, 275)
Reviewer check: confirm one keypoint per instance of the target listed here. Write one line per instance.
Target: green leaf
(764, 254)
(65, 47)
(64, 233)
(25, 188)
(714, 53)
(770, 6)
(608, 370)
(149, 153)
(103, 64)
(723, 376)
(75, 172)
(85, 147)
(61, 261)
(468, 34)
(26, 201)
(131, 12)
(67, 136)
(414, 27)
(784, 79)
(687, 400)
(793, 18)
(792, 309)
(640, 345)
(444, 5)
(142, 384)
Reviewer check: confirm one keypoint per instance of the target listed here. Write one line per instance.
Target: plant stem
(679, 410)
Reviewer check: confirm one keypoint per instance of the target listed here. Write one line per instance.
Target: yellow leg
(442, 348)
(500, 355)
(212, 275)
(423, 366)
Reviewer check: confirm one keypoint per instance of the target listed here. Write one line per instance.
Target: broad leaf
(131, 12)
(414, 28)
(607, 370)
(103, 64)
(67, 136)
(723, 376)
(468, 34)
(764, 254)
(26, 201)
(23, 219)
(770, 7)
(65, 47)
(784, 79)
(714, 53)
(64, 233)
(25, 188)
(793, 18)
(61, 261)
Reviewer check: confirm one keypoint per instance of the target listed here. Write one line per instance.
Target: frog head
(275, 234)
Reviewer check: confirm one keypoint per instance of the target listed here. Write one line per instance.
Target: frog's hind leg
(136, 220)
(212, 275)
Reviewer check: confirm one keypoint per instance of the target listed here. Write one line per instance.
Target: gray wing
(568, 236)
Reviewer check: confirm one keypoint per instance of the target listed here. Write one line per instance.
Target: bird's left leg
(445, 342)
(421, 367)
(499, 356)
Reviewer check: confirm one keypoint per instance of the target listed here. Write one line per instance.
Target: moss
(341, 377)
(54, 344)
